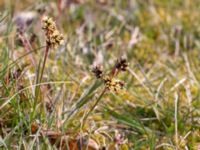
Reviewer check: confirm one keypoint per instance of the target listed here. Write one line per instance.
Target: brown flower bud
(121, 64)
(97, 70)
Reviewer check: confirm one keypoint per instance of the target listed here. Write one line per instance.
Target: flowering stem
(93, 107)
(40, 80)
(44, 62)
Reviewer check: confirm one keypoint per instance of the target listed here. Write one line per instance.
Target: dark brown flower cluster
(98, 71)
(121, 64)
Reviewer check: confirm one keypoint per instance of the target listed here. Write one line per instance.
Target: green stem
(96, 103)
(44, 62)
(40, 80)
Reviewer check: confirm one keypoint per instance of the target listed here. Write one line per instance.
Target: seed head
(98, 72)
(121, 64)
(48, 24)
(54, 37)
(113, 84)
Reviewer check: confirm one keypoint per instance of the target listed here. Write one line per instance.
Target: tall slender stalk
(93, 107)
(39, 80)
(44, 62)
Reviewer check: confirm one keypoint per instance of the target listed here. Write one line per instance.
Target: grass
(61, 104)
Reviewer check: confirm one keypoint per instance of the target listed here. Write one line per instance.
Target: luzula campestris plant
(111, 84)
(53, 37)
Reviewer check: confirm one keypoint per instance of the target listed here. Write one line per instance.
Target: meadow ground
(100, 74)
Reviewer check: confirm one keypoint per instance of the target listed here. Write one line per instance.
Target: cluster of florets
(53, 37)
(98, 72)
(121, 64)
(110, 82)
(113, 84)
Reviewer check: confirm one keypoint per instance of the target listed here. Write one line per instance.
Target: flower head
(54, 37)
(121, 64)
(98, 72)
(112, 84)
(48, 24)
